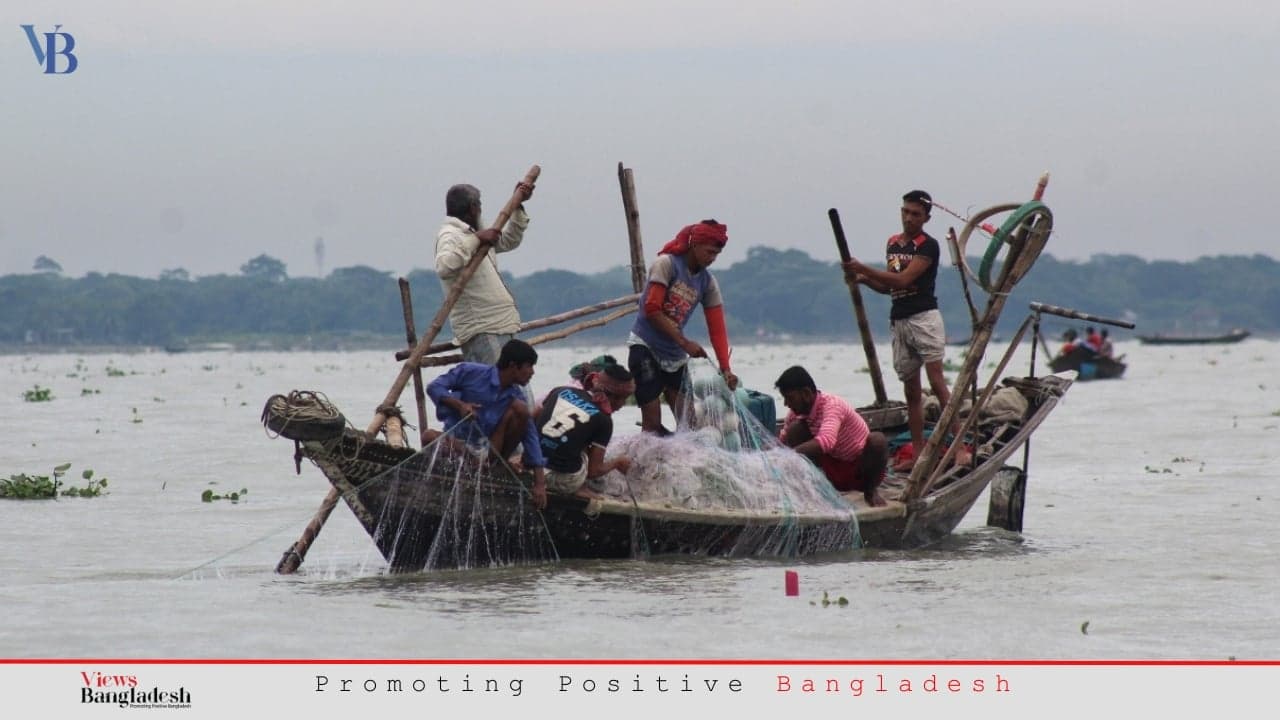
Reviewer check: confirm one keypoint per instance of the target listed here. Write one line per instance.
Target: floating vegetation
(38, 394)
(136, 417)
(113, 371)
(1084, 628)
(210, 496)
(826, 600)
(1156, 470)
(1184, 459)
(43, 487)
(92, 488)
(89, 391)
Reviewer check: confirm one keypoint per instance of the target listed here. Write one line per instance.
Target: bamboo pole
(1024, 250)
(627, 181)
(411, 336)
(979, 403)
(860, 313)
(541, 323)
(294, 556)
(585, 325)
(956, 260)
(438, 360)
(586, 310)
(1041, 184)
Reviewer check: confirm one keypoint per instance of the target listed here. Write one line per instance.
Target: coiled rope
(293, 415)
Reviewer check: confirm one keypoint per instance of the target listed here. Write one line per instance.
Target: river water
(1150, 530)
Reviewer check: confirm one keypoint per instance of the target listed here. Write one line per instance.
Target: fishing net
(454, 504)
(721, 485)
(722, 461)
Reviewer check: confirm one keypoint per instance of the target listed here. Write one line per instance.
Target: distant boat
(1235, 336)
(1089, 364)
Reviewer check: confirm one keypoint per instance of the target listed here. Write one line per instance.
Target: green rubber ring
(1001, 237)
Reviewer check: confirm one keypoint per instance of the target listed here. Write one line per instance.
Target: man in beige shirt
(485, 316)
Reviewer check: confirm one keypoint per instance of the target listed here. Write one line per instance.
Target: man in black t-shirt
(919, 338)
(575, 426)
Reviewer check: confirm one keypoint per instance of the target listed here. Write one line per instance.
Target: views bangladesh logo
(123, 690)
(47, 50)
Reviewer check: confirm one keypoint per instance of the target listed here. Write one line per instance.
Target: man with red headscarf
(679, 281)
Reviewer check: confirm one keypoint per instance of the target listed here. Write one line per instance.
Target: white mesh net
(721, 458)
(721, 485)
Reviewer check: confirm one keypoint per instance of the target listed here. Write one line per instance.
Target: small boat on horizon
(1235, 336)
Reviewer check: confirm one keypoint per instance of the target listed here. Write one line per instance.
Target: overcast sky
(199, 138)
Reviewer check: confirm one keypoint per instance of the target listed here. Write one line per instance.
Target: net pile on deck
(721, 459)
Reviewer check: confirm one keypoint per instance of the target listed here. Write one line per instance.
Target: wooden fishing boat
(1235, 336)
(421, 519)
(426, 510)
(1089, 365)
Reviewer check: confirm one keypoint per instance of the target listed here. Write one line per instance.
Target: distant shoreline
(389, 344)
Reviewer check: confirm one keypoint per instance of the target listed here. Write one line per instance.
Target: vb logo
(47, 51)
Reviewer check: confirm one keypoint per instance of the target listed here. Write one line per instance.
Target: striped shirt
(839, 429)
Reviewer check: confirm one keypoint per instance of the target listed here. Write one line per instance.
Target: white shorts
(917, 340)
(567, 483)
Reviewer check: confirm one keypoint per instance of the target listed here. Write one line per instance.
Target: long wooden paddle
(294, 556)
(868, 345)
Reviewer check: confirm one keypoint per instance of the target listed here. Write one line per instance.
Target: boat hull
(454, 516)
(429, 512)
(1227, 339)
(1089, 365)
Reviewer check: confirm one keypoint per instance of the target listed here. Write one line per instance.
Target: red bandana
(707, 231)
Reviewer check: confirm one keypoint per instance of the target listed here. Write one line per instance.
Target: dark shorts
(651, 379)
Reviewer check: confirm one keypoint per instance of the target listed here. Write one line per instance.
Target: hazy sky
(201, 137)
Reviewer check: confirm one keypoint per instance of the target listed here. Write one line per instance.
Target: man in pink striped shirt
(828, 431)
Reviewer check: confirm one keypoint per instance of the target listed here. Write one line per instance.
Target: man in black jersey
(575, 427)
(919, 337)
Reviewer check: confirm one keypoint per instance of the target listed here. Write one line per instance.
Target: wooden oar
(868, 345)
(294, 556)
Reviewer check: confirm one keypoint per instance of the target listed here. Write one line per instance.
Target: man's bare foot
(873, 499)
(904, 467)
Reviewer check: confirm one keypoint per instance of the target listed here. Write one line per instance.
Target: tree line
(771, 293)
